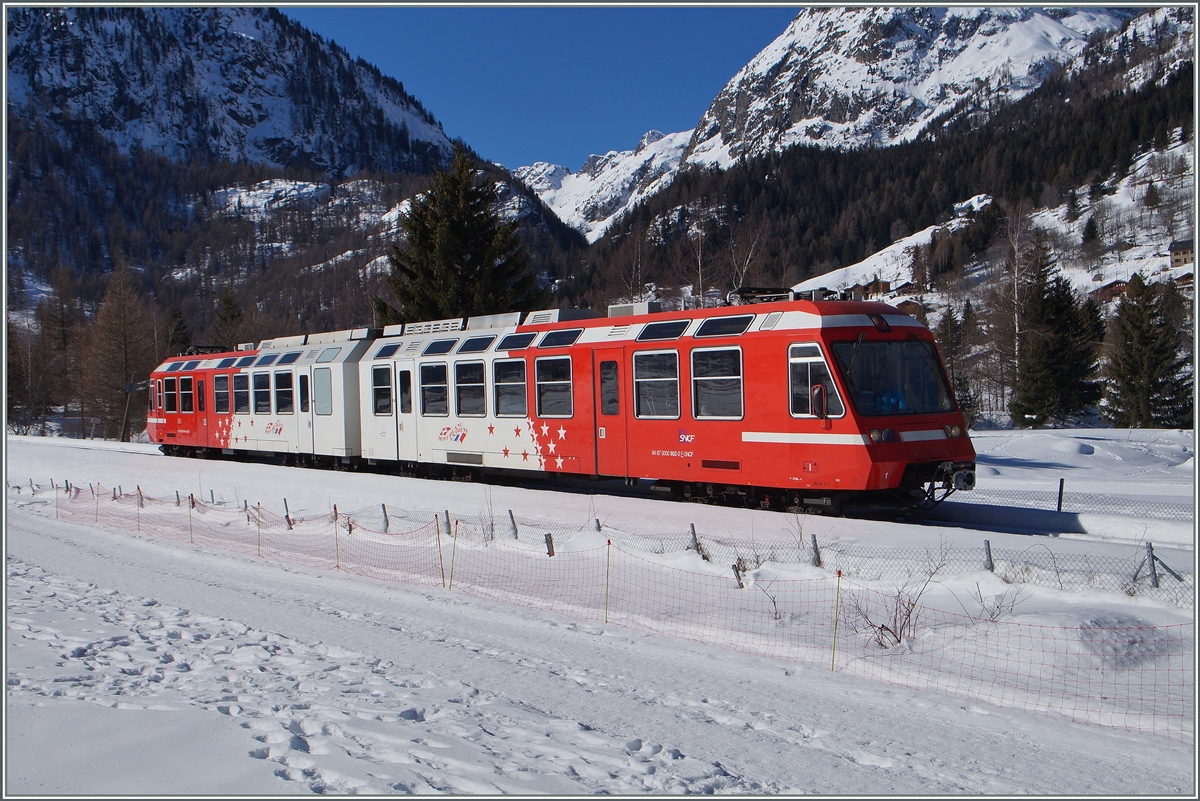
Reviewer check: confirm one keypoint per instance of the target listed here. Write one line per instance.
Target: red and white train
(789, 404)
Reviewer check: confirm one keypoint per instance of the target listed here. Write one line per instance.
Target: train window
(610, 391)
(656, 384)
(160, 394)
(303, 393)
(806, 368)
(174, 366)
(191, 365)
(323, 390)
(475, 344)
(328, 355)
(245, 361)
(717, 383)
(554, 387)
(724, 326)
(267, 359)
(200, 394)
(226, 363)
(241, 394)
(672, 329)
(381, 390)
(560, 339)
(221, 394)
(893, 377)
(387, 350)
(515, 342)
(289, 358)
(172, 397)
(434, 390)
(512, 394)
(283, 393)
(262, 393)
(438, 347)
(185, 394)
(404, 379)
(470, 393)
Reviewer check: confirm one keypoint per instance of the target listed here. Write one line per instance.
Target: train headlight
(954, 431)
(882, 435)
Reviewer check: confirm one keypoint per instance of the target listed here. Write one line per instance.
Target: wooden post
(287, 516)
(607, 572)
(453, 552)
(837, 605)
(337, 552)
(442, 565)
(549, 544)
(139, 508)
(597, 525)
(55, 502)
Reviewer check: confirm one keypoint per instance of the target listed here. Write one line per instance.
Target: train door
(304, 422)
(406, 412)
(611, 406)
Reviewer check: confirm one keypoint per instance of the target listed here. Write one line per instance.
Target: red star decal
(524, 456)
(491, 430)
(517, 431)
(506, 453)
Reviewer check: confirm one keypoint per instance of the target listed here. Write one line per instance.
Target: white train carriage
(320, 421)
(445, 393)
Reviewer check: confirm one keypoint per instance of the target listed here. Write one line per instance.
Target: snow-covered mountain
(591, 199)
(853, 77)
(242, 84)
(838, 78)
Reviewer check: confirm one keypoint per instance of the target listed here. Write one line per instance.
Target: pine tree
(459, 260)
(227, 328)
(1055, 373)
(1148, 386)
(178, 335)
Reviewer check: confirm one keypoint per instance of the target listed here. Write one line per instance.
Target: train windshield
(893, 377)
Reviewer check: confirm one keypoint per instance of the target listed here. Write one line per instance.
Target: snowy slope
(140, 665)
(852, 77)
(605, 186)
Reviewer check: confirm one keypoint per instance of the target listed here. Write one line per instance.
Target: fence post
(383, 506)
(447, 511)
(816, 551)
(1061, 481)
(1150, 562)
(549, 544)
(597, 525)
(696, 543)
(96, 495)
(139, 509)
(287, 515)
(987, 561)
(337, 553)
(212, 498)
(258, 519)
(737, 575)
(453, 553)
(513, 521)
(437, 525)
(55, 502)
(607, 572)
(176, 497)
(191, 506)
(837, 605)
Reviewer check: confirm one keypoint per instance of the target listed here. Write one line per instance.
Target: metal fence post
(987, 553)
(1150, 563)
(383, 506)
(1061, 481)
(549, 544)
(513, 521)
(816, 560)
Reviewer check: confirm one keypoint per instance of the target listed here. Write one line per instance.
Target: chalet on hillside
(906, 288)
(1110, 291)
(911, 308)
(1187, 281)
(1183, 251)
(877, 288)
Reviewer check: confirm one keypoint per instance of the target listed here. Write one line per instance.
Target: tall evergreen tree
(227, 327)
(178, 335)
(1148, 386)
(459, 259)
(1055, 373)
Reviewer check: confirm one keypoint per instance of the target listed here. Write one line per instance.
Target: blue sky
(521, 85)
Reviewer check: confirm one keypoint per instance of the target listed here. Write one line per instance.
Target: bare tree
(120, 354)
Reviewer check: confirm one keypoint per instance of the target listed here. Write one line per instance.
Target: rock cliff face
(232, 83)
(871, 77)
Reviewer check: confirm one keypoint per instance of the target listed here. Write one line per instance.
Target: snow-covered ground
(139, 665)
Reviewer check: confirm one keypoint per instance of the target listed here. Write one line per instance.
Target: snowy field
(136, 664)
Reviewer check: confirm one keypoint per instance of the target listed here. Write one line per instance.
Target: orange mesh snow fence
(1105, 671)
